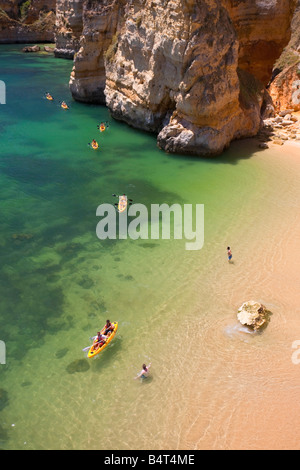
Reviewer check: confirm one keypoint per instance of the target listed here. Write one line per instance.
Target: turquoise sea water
(59, 282)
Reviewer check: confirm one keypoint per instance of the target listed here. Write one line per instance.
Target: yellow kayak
(94, 145)
(94, 350)
(64, 106)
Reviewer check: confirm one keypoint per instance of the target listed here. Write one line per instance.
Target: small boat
(94, 350)
(64, 105)
(102, 127)
(95, 145)
(122, 204)
(49, 97)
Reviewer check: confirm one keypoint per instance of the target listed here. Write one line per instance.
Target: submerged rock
(61, 353)
(22, 236)
(3, 434)
(3, 399)
(49, 49)
(253, 314)
(80, 365)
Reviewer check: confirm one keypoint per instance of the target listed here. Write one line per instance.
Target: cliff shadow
(242, 149)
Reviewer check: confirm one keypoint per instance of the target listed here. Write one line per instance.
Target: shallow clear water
(175, 308)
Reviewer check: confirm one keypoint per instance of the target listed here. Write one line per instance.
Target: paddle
(89, 347)
(105, 123)
(115, 195)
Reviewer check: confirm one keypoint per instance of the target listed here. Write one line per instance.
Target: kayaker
(144, 372)
(94, 144)
(100, 340)
(109, 328)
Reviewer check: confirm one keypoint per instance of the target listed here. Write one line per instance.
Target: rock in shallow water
(79, 365)
(253, 314)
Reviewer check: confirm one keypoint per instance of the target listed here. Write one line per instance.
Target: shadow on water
(145, 380)
(105, 359)
(78, 366)
(143, 191)
(238, 150)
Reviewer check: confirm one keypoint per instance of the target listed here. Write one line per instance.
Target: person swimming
(144, 372)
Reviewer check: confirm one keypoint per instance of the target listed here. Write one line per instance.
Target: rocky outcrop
(253, 314)
(27, 22)
(192, 71)
(68, 28)
(285, 87)
(285, 126)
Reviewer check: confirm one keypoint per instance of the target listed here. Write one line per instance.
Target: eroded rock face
(182, 68)
(88, 77)
(30, 23)
(68, 27)
(170, 74)
(285, 89)
(263, 30)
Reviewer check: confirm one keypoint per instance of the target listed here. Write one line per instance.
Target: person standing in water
(229, 254)
(144, 372)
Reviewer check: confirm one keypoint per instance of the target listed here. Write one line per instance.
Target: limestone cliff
(193, 71)
(100, 20)
(27, 21)
(285, 86)
(68, 27)
(263, 29)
